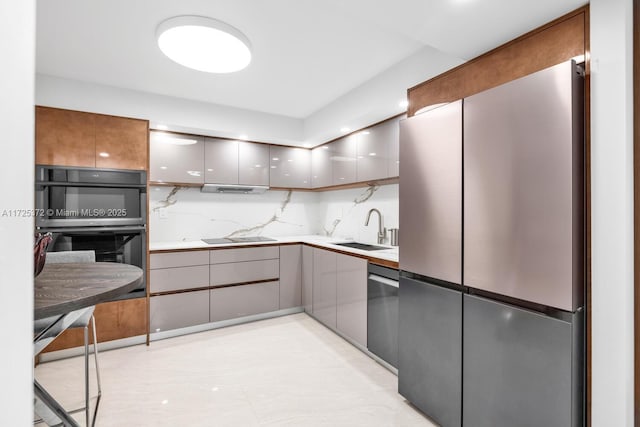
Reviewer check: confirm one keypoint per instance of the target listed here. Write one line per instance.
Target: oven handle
(93, 229)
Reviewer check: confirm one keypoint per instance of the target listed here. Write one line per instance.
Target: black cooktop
(223, 240)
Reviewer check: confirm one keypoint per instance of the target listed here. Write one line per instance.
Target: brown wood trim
(253, 282)
(91, 112)
(370, 258)
(179, 291)
(385, 181)
(173, 184)
(636, 206)
(543, 47)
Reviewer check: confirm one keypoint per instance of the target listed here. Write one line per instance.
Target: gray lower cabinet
(430, 350)
(178, 278)
(290, 276)
(178, 310)
(520, 368)
(244, 300)
(351, 297)
(307, 278)
(324, 286)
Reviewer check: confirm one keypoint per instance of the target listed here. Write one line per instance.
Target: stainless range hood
(233, 189)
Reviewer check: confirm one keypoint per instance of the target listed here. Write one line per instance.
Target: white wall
(180, 114)
(17, 32)
(612, 212)
(377, 98)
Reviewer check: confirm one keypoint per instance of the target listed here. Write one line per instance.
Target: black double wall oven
(104, 210)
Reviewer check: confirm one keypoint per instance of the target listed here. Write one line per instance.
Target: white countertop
(389, 254)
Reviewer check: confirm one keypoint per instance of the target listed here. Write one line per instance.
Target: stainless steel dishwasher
(382, 313)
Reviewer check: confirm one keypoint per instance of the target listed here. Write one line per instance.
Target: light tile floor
(287, 371)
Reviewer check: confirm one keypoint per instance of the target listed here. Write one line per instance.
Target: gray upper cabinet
(221, 161)
(236, 162)
(253, 163)
(176, 158)
(378, 151)
(393, 147)
(321, 167)
(343, 159)
(290, 167)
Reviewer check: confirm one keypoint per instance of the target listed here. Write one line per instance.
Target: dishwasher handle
(383, 280)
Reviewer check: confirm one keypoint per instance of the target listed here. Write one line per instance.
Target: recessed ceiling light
(167, 139)
(307, 145)
(162, 127)
(204, 44)
(345, 129)
(403, 104)
(244, 136)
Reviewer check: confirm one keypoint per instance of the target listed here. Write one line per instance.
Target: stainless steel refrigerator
(513, 317)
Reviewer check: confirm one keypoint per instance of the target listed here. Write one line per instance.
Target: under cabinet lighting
(162, 127)
(204, 44)
(403, 104)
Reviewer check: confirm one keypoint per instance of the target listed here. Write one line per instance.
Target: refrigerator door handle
(383, 280)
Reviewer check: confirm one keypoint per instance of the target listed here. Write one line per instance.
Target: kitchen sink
(363, 246)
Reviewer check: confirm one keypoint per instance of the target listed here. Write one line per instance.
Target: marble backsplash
(184, 213)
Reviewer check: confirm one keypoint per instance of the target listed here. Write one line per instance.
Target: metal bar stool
(82, 322)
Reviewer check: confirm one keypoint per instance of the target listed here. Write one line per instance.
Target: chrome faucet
(381, 230)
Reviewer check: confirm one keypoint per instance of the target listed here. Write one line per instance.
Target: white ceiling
(306, 53)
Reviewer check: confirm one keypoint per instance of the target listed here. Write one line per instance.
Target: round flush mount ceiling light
(204, 44)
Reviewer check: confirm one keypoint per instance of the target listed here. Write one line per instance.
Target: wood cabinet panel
(121, 143)
(114, 320)
(65, 137)
(544, 47)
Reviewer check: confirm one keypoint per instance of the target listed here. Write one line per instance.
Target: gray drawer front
(243, 254)
(178, 310)
(238, 301)
(241, 272)
(178, 259)
(171, 279)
